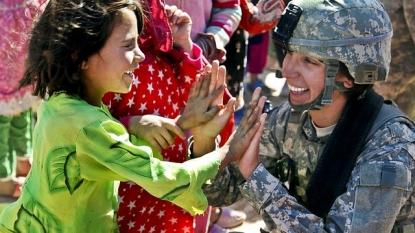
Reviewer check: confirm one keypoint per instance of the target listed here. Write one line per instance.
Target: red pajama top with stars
(160, 87)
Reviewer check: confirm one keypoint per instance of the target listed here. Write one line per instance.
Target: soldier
(336, 157)
(401, 81)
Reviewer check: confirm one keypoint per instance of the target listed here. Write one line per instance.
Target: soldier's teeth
(296, 89)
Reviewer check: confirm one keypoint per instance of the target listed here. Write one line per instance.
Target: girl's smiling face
(111, 69)
(305, 77)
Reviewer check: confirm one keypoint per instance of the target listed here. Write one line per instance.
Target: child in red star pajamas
(158, 94)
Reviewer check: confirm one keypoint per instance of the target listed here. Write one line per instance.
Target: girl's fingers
(214, 75)
(204, 91)
(175, 130)
(221, 76)
(196, 86)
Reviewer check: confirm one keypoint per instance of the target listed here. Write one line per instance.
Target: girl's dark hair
(66, 34)
(358, 89)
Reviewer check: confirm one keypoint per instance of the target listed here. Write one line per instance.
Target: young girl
(80, 50)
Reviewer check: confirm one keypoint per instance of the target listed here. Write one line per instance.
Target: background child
(80, 50)
(15, 104)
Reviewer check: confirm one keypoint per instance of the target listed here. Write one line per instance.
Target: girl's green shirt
(80, 152)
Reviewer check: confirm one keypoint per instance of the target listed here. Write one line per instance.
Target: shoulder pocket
(385, 174)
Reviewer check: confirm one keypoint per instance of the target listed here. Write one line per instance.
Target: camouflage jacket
(366, 206)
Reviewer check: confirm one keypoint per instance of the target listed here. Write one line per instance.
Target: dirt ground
(253, 222)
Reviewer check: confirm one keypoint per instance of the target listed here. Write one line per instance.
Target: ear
(84, 65)
(348, 83)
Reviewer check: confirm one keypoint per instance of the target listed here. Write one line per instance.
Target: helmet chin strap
(315, 105)
(326, 96)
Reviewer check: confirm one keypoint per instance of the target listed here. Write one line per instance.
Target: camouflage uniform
(366, 206)
(357, 33)
(401, 81)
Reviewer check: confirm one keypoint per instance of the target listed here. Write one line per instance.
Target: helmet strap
(330, 84)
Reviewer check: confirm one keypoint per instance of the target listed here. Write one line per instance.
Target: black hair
(358, 89)
(67, 34)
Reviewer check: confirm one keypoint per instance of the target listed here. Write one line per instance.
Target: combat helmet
(355, 32)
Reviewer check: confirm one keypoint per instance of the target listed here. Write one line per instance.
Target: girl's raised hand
(205, 98)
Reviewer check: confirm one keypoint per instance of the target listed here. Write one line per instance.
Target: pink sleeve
(188, 70)
(125, 121)
(197, 63)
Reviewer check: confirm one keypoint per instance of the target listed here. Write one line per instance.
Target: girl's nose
(139, 55)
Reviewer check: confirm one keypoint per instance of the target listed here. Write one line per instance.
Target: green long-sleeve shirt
(79, 152)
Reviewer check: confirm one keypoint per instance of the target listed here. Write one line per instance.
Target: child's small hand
(244, 142)
(205, 98)
(158, 131)
(181, 26)
(211, 129)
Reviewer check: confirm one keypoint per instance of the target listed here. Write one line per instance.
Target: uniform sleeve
(378, 192)
(223, 190)
(105, 152)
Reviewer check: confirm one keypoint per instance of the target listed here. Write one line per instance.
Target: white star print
(169, 100)
(150, 87)
(136, 82)
(130, 183)
(180, 147)
(169, 81)
(160, 94)
(186, 229)
(173, 220)
(117, 97)
(120, 199)
(156, 112)
(143, 107)
(150, 69)
(160, 214)
(143, 210)
(131, 102)
(152, 229)
(142, 228)
(131, 225)
(161, 75)
(175, 107)
(163, 231)
(151, 210)
(188, 79)
(131, 205)
(120, 218)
